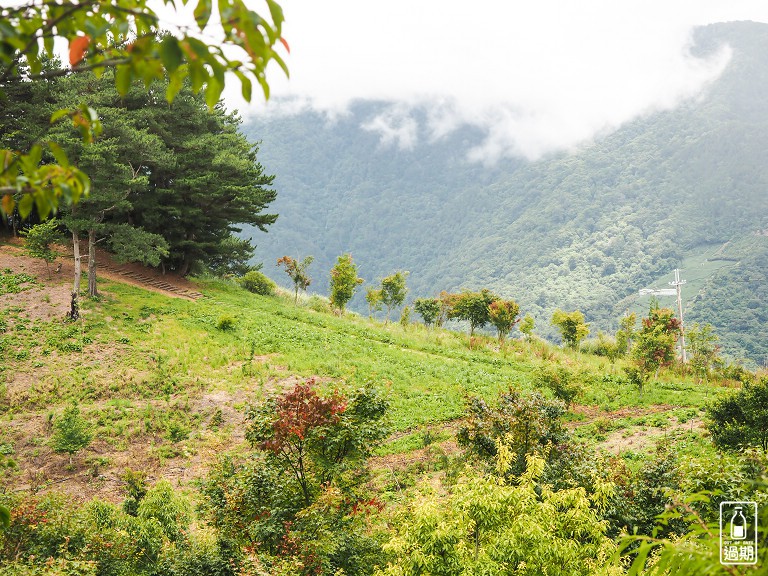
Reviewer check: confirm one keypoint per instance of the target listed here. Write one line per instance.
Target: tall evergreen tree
(214, 183)
(117, 163)
(170, 183)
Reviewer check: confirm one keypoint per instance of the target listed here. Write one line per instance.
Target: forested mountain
(683, 188)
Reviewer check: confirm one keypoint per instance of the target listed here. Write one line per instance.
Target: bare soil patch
(49, 298)
(422, 455)
(638, 438)
(12, 256)
(97, 469)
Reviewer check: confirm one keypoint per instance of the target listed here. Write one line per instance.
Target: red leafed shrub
(317, 438)
(299, 412)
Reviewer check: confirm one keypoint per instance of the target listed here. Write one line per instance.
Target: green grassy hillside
(165, 382)
(172, 389)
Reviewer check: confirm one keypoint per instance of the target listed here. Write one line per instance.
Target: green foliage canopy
(486, 526)
(527, 325)
(163, 191)
(256, 282)
(300, 500)
(473, 307)
(393, 291)
(503, 314)
(741, 419)
(572, 327)
(626, 333)
(428, 309)
(655, 343)
(523, 423)
(703, 349)
(71, 432)
(39, 239)
(344, 281)
(375, 299)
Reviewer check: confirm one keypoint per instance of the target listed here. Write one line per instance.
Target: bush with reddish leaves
(317, 438)
(300, 501)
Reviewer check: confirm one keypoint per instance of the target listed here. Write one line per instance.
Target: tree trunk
(74, 312)
(92, 291)
(185, 267)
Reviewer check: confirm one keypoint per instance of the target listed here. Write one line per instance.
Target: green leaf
(276, 11)
(213, 91)
(35, 155)
(83, 187)
(264, 85)
(199, 47)
(123, 79)
(203, 13)
(175, 83)
(276, 57)
(198, 75)
(25, 205)
(225, 13)
(170, 54)
(48, 44)
(59, 154)
(59, 114)
(246, 84)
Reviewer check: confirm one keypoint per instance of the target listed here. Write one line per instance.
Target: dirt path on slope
(62, 270)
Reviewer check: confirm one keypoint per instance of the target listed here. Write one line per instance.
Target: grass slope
(165, 386)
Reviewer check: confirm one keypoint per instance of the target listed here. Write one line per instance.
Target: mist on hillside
(585, 228)
(531, 82)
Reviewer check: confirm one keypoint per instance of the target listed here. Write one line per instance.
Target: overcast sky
(537, 75)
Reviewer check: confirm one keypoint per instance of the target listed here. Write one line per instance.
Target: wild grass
(140, 364)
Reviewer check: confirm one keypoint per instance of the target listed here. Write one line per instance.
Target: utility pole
(677, 284)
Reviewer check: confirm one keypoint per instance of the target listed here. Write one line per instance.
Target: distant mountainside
(685, 188)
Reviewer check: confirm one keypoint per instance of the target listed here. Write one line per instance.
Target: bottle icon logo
(738, 525)
(738, 533)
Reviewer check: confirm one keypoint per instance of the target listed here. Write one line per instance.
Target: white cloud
(536, 76)
(395, 126)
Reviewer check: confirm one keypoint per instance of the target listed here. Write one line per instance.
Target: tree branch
(35, 37)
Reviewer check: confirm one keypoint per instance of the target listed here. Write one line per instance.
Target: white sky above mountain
(537, 76)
